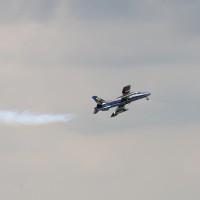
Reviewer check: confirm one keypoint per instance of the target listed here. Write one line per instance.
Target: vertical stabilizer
(98, 100)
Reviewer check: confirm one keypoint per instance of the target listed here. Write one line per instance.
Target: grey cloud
(109, 44)
(109, 166)
(179, 15)
(159, 34)
(182, 16)
(101, 9)
(23, 10)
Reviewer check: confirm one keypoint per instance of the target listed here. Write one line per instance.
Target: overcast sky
(56, 54)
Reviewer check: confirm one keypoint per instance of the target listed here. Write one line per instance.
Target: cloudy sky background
(56, 54)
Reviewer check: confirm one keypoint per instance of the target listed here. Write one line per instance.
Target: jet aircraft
(120, 102)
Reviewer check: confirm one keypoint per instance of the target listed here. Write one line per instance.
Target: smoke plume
(28, 118)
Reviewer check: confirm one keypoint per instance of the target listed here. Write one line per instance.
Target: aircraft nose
(147, 94)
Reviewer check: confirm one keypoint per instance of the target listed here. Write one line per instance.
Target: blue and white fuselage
(119, 102)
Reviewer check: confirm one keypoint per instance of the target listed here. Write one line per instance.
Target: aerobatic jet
(120, 102)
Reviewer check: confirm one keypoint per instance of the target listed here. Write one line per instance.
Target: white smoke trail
(28, 118)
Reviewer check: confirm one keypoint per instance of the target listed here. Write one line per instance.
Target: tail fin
(98, 100)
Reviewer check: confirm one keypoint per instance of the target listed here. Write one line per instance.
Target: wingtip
(113, 115)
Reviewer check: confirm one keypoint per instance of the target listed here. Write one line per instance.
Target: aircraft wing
(118, 110)
(126, 90)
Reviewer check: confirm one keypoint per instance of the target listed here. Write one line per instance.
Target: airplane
(120, 102)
